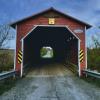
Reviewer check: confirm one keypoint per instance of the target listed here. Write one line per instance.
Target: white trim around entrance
(79, 70)
(85, 49)
(22, 46)
(35, 26)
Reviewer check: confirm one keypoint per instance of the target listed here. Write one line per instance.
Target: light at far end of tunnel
(46, 52)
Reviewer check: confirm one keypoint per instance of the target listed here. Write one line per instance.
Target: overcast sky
(85, 10)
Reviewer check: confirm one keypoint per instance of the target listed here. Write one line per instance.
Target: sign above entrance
(51, 21)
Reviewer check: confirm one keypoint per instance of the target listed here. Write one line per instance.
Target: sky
(85, 10)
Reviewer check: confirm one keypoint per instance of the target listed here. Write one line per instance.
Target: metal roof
(50, 9)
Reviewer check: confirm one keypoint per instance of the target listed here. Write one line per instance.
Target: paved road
(54, 82)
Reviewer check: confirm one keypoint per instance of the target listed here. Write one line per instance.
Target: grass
(92, 80)
(6, 60)
(6, 64)
(7, 84)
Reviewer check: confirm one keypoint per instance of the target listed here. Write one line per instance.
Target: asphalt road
(52, 82)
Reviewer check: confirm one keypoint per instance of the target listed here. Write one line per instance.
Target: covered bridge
(50, 28)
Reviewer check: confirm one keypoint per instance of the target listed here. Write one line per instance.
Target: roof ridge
(51, 8)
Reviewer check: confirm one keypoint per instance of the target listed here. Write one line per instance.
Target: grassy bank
(7, 84)
(93, 59)
(92, 80)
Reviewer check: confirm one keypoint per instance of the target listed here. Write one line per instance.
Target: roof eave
(51, 8)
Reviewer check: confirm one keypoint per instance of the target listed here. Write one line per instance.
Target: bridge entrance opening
(50, 44)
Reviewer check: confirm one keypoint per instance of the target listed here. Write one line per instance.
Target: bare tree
(96, 39)
(5, 35)
(96, 42)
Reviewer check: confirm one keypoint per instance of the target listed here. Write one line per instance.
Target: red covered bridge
(63, 33)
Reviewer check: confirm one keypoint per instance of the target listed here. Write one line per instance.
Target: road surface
(52, 82)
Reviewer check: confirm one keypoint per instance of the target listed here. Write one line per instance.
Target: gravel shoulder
(52, 84)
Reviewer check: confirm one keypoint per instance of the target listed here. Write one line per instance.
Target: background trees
(6, 56)
(94, 54)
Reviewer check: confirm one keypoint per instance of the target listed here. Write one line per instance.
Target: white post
(22, 60)
(79, 70)
(85, 49)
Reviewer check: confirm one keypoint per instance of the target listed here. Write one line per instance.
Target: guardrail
(92, 73)
(7, 74)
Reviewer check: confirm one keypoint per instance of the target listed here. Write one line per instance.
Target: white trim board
(85, 49)
(29, 32)
(78, 58)
(22, 46)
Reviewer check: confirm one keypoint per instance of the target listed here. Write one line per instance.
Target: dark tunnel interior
(60, 39)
